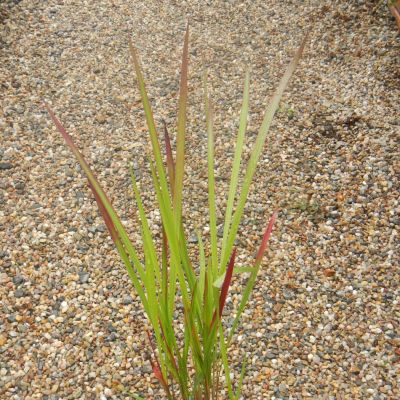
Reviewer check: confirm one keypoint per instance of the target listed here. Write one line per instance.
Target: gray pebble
(5, 165)
(19, 293)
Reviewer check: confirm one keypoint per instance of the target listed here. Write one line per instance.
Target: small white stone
(64, 307)
(317, 359)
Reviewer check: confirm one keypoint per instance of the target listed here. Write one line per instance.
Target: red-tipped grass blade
(170, 158)
(251, 282)
(172, 358)
(106, 216)
(158, 374)
(107, 209)
(227, 282)
(155, 365)
(225, 287)
(265, 239)
(114, 225)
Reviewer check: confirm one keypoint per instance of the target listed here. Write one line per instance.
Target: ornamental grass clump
(190, 363)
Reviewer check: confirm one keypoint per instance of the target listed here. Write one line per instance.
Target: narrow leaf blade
(170, 159)
(180, 147)
(236, 160)
(265, 239)
(227, 282)
(211, 179)
(256, 152)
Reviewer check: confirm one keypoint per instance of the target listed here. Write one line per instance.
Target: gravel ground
(324, 320)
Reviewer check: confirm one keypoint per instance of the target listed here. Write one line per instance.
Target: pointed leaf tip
(224, 288)
(227, 282)
(266, 236)
(106, 216)
(170, 157)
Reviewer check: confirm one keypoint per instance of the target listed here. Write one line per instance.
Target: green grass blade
(194, 340)
(180, 147)
(152, 127)
(256, 151)
(224, 358)
(211, 179)
(240, 384)
(147, 238)
(152, 279)
(183, 361)
(202, 262)
(236, 161)
(209, 330)
(167, 223)
(182, 243)
(164, 263)
(211, 298)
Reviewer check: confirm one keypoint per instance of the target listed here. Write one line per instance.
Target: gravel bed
(324, 320)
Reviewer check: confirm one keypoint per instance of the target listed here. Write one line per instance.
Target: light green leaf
(236, 270)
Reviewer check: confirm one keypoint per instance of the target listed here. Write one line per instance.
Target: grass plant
(192, 363)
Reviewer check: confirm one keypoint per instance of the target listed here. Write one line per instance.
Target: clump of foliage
(188, 364)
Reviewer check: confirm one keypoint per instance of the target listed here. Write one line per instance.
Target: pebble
(18, 280)
(64, 307)
(19, 293)
(3, 340)
(101, 119)
(5, 165)
(83, 277)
